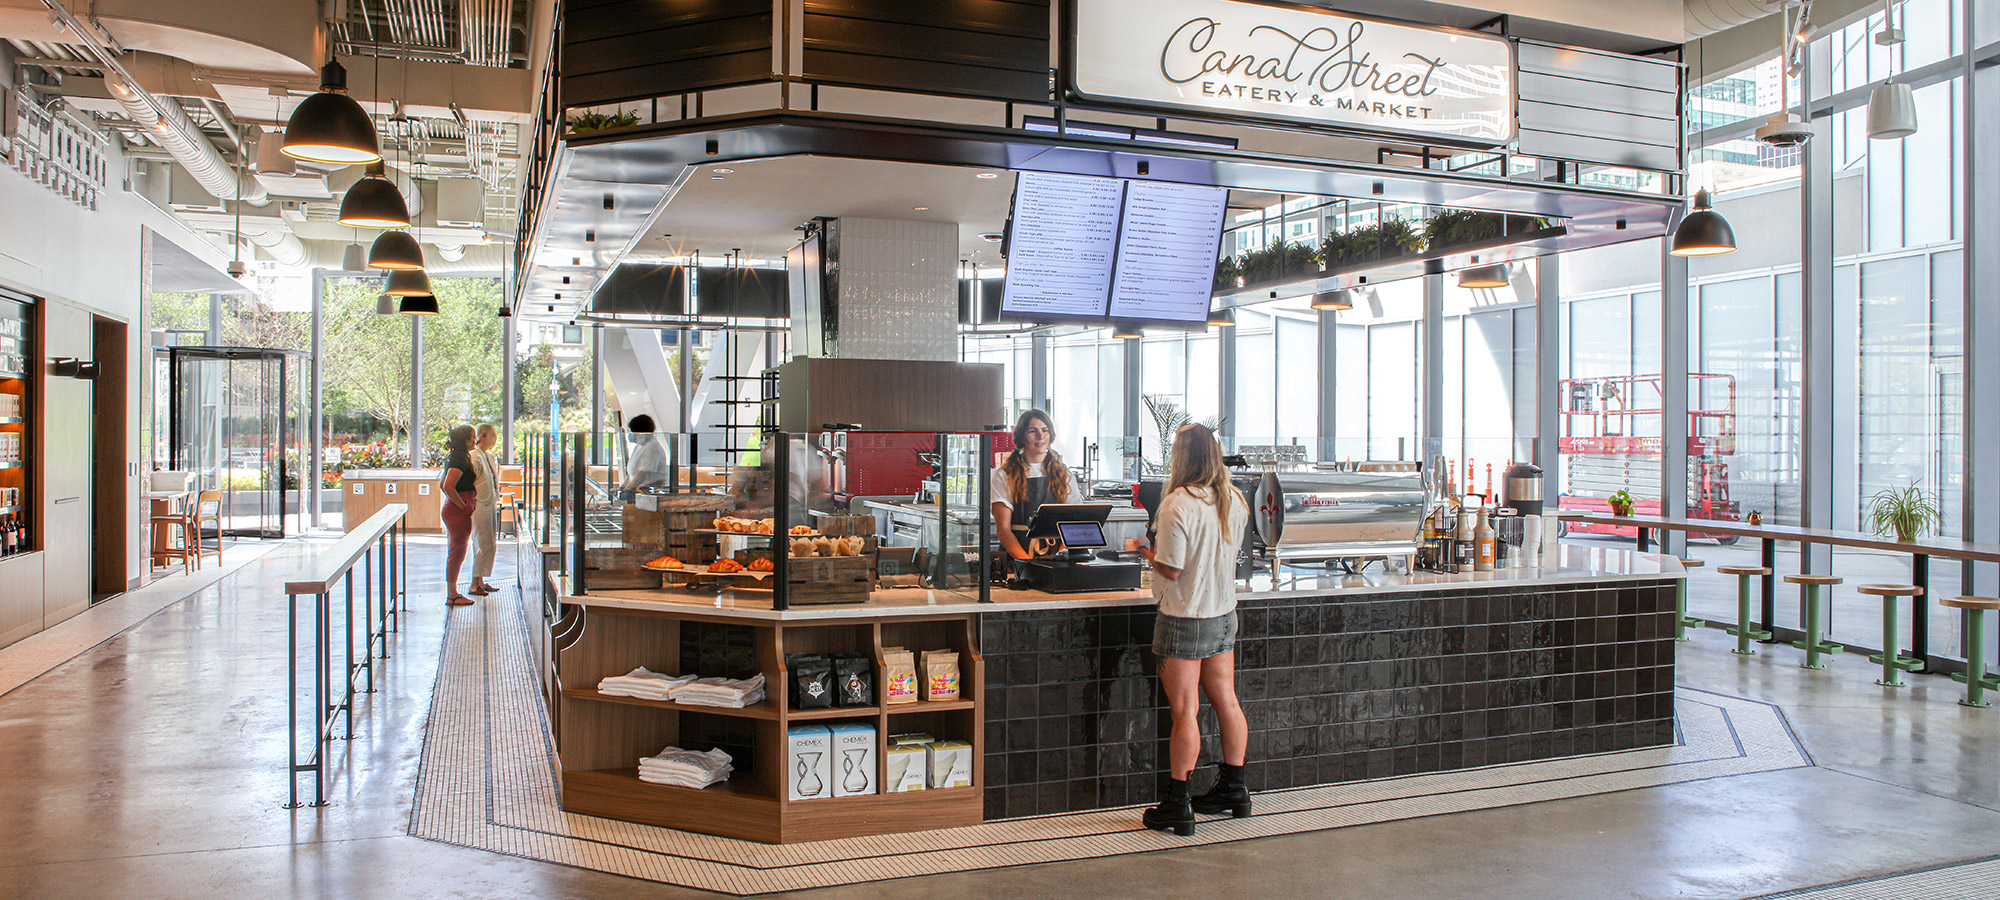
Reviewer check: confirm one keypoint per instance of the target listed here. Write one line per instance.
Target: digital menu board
(1065, 242)
(1166, 251)
(1084, 249)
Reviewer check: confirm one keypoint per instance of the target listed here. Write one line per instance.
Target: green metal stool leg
(1743, 632)
(1812, 645)
(1977, 682)
(1893, 664)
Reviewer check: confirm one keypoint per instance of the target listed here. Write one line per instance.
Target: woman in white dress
(486, 513)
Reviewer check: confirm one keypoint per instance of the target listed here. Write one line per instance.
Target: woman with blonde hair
(485, 510)
(1197, 532)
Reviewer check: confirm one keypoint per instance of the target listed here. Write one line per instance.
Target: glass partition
(770, 532)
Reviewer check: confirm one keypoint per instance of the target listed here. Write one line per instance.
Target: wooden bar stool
(1893, 665)
(1744, 633)
(1682, 622)
(1976, 681)
(1809, 597)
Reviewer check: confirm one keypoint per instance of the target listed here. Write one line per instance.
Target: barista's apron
(1035, 492)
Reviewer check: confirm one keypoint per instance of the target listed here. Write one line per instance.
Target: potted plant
(591, 121)
(1453, 227)
(1756, 517)
(1620, 503)
(1906, 513)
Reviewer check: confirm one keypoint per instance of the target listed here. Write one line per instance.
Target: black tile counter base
(1336, 688)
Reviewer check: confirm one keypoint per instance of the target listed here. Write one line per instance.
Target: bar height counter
(1343, 678)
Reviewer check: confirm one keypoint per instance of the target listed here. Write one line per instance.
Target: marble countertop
(1577, 565)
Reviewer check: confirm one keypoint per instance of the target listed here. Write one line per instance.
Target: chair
(1809, 585)
(1975, 679)
(1893, 665)
(174, 538)
(1682, 622)
(1744, 633)
(207, 508)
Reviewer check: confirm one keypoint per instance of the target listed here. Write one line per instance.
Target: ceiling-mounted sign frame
(1291, 64)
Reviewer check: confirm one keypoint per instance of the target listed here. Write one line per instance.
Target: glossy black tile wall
(1336, 689)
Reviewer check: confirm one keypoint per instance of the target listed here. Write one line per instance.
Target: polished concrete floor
(151, 765)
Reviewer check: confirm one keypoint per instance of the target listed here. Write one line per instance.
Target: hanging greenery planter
(1457, 227)
(590, 121)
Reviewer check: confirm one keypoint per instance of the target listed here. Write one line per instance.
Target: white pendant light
(1892, 106)
(353, 259)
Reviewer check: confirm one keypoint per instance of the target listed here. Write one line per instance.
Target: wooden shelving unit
(601, 738)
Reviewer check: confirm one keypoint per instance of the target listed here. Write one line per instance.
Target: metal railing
(378, 546)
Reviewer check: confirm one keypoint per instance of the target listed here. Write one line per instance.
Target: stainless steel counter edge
(1579, 565)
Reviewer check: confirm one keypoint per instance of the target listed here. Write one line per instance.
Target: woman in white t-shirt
(1196, 535)
(1031, 475)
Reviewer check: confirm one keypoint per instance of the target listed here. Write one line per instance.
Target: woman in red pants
(458, 485)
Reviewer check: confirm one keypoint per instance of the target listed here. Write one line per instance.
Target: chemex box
(908, 768)
(809, 761)
(951, 764)
(853, 759)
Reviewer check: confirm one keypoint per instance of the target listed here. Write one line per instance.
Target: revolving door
(231, 425)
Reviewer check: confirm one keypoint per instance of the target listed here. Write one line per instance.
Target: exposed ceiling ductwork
(169, 127)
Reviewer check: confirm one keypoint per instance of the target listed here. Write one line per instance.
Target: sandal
(477, 592)
(458, 600)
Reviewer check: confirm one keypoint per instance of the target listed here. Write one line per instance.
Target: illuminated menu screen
(1065, 242)
(1090, 248)
(1166, 251)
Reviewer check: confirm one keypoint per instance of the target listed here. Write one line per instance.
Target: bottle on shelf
(6, 535)
(1465, 540)
(1482, 536)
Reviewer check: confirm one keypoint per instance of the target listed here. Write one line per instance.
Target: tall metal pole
(507, 351)
(596, 386)
(686, 340)
(1430, 362)
(507, 410)
(1548, 366)
(1673, 395)
(1981, 203)
(316, 440)
(416, 392)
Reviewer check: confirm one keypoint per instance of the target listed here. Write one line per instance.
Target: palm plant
(1168, 417)
(1907, 512)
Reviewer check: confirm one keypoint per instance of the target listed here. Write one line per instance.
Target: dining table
(1921, 550)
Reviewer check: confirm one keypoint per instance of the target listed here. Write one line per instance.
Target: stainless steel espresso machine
(1343, 518)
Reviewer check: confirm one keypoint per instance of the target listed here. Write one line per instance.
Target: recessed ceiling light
(920, 208)
(715, 178)
(992, 237)
(987, 175)
(722, 171)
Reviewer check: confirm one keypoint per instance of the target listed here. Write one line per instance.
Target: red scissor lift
(1610, 439)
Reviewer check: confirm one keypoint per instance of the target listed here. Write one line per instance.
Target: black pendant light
(1491, 276)
(395, 250)
(1703, 232)
(1127, 331)
(329, 127)
(407, 283)
(419, 305)
(374, 202)
(1224, 317)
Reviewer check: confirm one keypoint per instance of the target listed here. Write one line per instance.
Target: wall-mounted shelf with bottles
(17, 355)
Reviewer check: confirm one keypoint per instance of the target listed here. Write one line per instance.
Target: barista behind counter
(1031, 475)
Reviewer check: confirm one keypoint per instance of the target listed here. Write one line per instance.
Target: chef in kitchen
(1031, 475)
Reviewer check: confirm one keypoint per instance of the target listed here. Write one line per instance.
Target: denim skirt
(1175, 637)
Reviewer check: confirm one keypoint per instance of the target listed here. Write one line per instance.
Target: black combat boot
(1173, 814)
(1228, 795)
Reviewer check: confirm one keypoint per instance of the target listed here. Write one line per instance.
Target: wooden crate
(619, 568)
(846, 526)
(827, 579)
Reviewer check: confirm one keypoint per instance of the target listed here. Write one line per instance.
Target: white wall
(93, 259)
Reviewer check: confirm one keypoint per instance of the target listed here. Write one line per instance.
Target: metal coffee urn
(1524, 489)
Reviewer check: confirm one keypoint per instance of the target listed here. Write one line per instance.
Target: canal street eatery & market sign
(1297, 64)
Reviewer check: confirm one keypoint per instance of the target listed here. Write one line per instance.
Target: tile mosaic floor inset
(489, 780)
